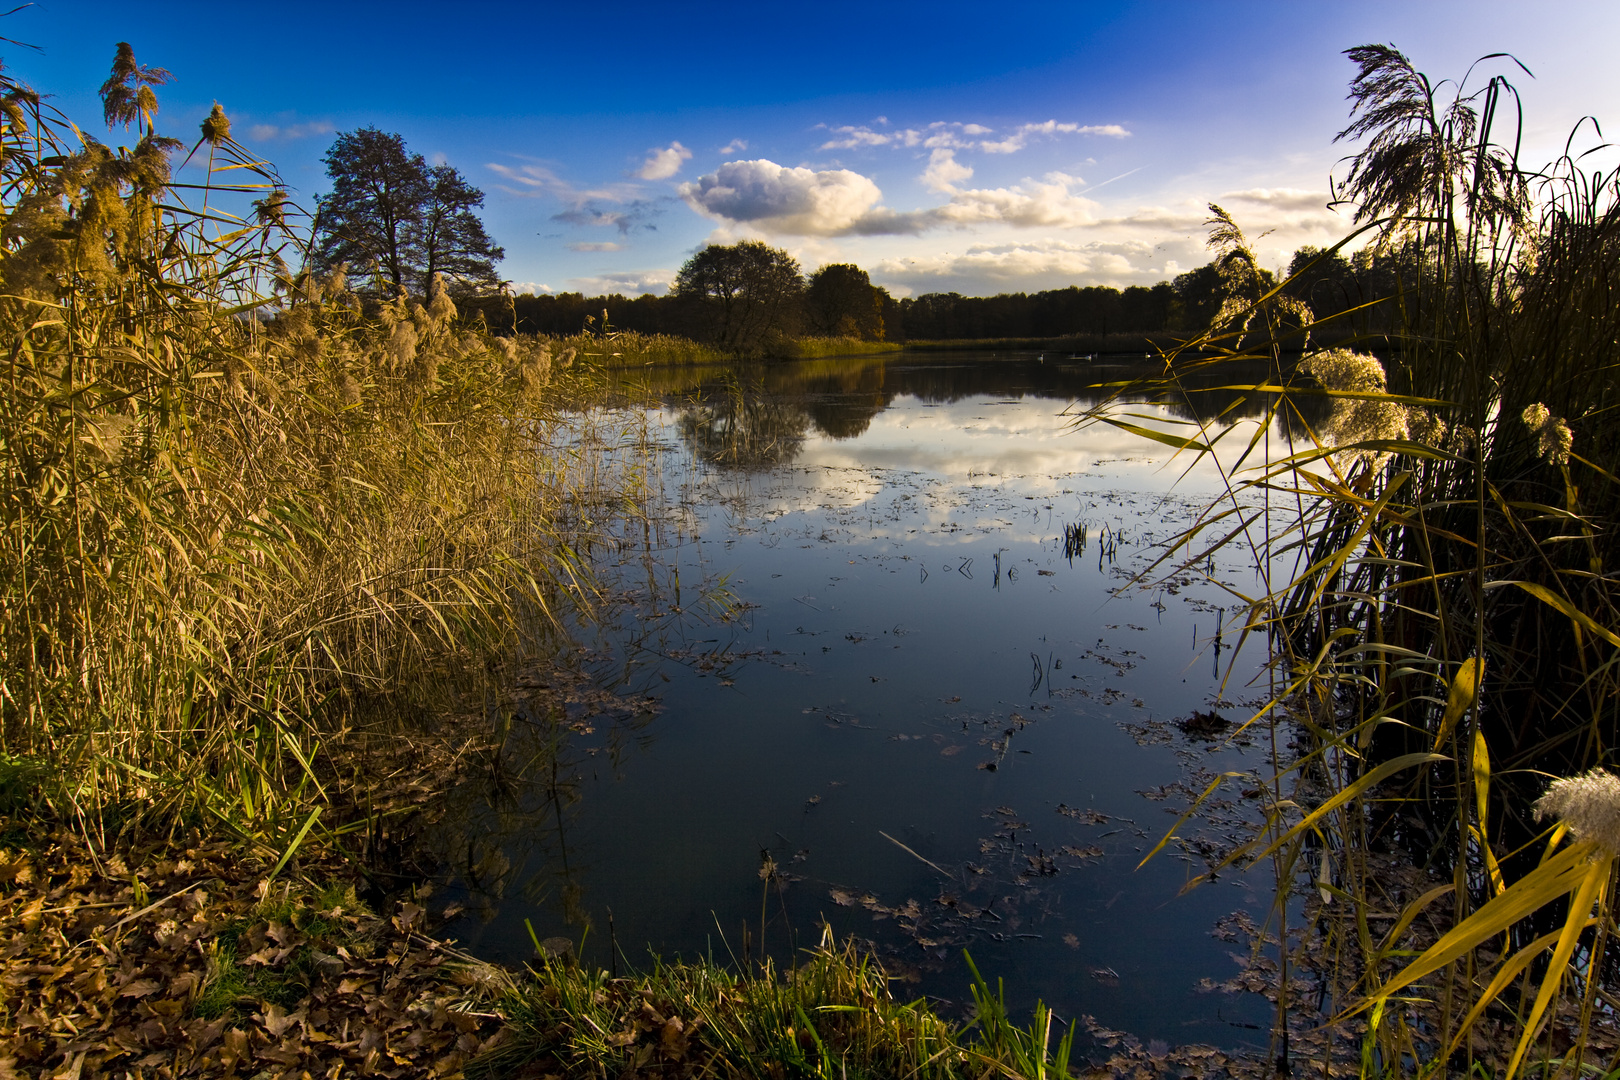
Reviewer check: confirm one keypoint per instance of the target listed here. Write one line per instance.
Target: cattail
(1553, 437)
(1588, 804)
(217, 128)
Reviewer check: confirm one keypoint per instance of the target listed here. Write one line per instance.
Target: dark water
(927, 722)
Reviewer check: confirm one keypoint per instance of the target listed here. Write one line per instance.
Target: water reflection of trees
(745, 427)
(755, 416)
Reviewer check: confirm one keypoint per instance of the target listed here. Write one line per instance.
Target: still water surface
(928, 721)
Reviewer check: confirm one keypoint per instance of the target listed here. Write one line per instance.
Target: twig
(903, 847)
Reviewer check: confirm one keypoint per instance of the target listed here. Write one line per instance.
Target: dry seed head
(217, 128)
(349, 390)
(271, 211)
(238, 376)
(1341, 369)
(106, 434)
(1554, 439)
(402, 345)
(440, 306)
(1356, 420)
(1425, 427)
(1589, 805)
(1556, 442)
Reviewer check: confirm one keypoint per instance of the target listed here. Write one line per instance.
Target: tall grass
(239, 513)
(1437, 584)
(832, 1016)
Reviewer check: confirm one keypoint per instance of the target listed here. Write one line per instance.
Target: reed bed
(241, 512)
(1436, 548)
(609, 349)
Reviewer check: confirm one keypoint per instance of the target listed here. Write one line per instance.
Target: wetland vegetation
(338, 609)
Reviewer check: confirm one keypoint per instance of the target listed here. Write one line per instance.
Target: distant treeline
(1332, 286)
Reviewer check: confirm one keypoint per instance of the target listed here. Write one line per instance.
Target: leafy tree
(742, 295)
(451, 238)
(841, 301)
(396, 222)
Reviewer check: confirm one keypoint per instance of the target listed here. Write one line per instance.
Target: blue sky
(978, 148)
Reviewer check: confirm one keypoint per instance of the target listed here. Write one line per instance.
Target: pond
(878, 669)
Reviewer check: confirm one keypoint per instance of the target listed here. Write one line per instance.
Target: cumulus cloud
(944, 172)
(953, 135)
(278, 132)
(665, 163)
(636, 281)
(1046, 203)
(775, 199)
(795, 201)
(531, 288)
(1028, 265)
(598, 245)
(735, 146)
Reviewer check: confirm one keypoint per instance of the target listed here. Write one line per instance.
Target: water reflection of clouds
(1028, 440)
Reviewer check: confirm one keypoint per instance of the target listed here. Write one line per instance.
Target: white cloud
(944, 172)
(1021, 135)
(639, 281)
(774, 199)
(535, 181)
(735, 146)
(531, 288)
(600, 245)
(1033, 204)
(952, 135)
(665, 163)
(1027, 266)
(275, 132)
(1280, 198)
(852, 137)
(794, 201)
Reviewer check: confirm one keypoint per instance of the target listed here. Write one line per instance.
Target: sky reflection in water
(942, 731)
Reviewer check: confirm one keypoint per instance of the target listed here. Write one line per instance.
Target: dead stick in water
(908, 851)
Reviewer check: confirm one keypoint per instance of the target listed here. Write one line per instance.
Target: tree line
(396, 222)
(740, 296)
